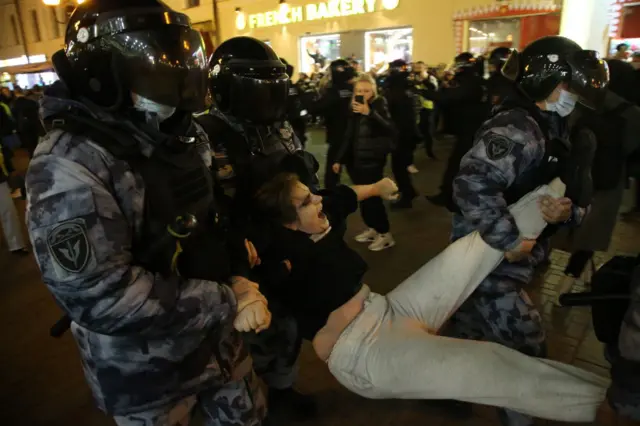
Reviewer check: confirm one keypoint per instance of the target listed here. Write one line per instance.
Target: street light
(57, 2)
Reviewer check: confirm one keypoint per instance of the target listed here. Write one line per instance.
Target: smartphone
(359, 99)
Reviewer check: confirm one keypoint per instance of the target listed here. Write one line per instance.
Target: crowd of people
(179, 222)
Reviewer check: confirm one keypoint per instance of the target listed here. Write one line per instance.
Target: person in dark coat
(334, 104)
(405, 118)
(29, 126)
(465, 97)
(615, 127)
(368, 140)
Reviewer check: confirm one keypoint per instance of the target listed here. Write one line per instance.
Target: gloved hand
(246, 292)
(387, 189)
(253, 317)
(252, 310)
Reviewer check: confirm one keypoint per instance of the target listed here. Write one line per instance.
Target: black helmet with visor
(249, 81)
(116, 47)
(550, 61)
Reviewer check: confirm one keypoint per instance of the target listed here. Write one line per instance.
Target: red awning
(28, 68)
(630, 22)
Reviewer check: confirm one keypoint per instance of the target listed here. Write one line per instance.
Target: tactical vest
(553, 163)
(177, 184)
(256, 158)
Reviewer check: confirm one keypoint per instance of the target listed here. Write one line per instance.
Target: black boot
(292, 403)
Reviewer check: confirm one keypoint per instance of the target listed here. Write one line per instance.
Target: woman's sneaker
(382, 241)
(367, 236)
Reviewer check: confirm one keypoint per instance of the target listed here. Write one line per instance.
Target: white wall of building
(587, 23)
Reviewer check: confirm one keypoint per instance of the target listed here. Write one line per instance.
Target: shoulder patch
(69, 247)
(497, 146)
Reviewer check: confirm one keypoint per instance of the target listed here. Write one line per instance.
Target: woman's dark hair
(273, 200)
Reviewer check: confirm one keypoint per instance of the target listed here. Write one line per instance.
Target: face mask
(565, 105)
(162, 112)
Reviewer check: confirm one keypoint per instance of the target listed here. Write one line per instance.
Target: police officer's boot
(291, 403)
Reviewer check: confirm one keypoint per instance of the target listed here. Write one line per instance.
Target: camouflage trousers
(275, 352)
(507, 317)
(239, 403)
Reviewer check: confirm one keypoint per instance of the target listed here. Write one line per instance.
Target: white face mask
(565, 104)
(162, 112)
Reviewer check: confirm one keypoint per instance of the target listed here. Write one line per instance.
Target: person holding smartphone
(367, 142)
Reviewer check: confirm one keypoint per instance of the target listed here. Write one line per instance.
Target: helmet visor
(589, 77)
(167, 65)
(259, 98)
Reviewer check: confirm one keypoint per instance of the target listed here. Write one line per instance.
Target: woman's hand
(387, 189)
(254, 259)
(336, 168)
(361, 108)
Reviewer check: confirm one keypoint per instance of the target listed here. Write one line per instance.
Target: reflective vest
(424, 103)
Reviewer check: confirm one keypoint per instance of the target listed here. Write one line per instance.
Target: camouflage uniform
(275, 351)
(149, 344)
(507, 147)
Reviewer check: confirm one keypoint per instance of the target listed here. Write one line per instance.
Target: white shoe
(412, 169)
(382, 241)
(367, 236)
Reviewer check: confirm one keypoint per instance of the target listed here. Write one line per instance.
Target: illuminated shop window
(316, 52)
(384, 46)
(484, 36)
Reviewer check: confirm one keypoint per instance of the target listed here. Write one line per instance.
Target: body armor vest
(177, 184)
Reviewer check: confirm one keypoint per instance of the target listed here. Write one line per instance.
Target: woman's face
(364, 89)
(311, 219)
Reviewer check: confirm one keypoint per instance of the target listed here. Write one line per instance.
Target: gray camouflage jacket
(506, 147)
(140, 347)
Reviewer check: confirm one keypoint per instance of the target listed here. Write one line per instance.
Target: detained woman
(388, 346)
(364, 150)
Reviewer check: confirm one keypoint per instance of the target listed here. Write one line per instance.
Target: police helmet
(341, 72)
(398, 74)
(116, 47)
(290, 68)
(466, 62)
(499, 57)
(550, 61)
(248, 81)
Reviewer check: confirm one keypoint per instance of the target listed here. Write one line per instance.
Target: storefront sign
(313, 12)
(22, 60)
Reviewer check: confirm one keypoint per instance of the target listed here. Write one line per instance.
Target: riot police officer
(125, 226)
(513, 152)
(498, 86)
(465, 99)
(335, 105)
(251, 137)
(404, 113)
(296, 111)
